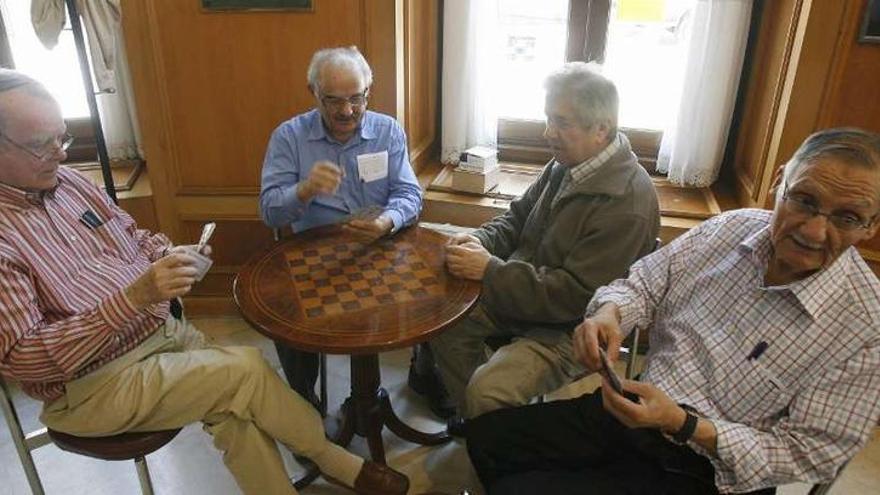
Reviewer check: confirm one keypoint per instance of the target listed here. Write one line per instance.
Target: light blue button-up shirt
(297, 144)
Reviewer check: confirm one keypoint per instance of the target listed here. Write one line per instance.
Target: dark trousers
(575, 446)
(300, 368)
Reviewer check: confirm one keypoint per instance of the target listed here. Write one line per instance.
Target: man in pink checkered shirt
(764, 359)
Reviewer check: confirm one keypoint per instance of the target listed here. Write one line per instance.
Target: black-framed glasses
(338, 103)
(46, 151)
(802, 204)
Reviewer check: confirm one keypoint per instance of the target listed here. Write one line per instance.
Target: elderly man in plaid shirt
(764, 361)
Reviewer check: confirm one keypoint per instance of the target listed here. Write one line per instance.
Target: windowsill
(126, 173)
(681, 208)
(131, 182)
(676, 201)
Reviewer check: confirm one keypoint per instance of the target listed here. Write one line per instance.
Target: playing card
(366, 213)
(202, 264)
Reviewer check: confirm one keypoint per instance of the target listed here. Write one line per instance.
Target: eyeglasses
(337, 103)
(802, 204)
(46, 151)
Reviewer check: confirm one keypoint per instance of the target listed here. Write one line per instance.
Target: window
(639, 43)
(58, 69)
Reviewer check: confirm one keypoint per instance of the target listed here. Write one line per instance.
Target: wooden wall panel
(234, 242)
(231, 77)
(854, 98)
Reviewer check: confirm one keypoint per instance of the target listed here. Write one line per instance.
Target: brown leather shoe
(377, 479)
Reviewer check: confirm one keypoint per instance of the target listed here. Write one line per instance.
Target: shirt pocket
(376, 192)
(753, 392)
(116, 240)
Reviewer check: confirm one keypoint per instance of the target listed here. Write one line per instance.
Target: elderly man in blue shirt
(334, 161)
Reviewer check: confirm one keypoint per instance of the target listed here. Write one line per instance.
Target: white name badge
(373, 166)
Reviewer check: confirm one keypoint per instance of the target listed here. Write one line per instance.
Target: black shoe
(456, 426)
(431, 387)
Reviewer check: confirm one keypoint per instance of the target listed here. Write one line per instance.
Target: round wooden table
(323, 291)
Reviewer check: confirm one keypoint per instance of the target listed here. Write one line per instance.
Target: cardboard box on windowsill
(475, 182)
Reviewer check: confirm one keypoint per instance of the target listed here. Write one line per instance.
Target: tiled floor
(190, 465)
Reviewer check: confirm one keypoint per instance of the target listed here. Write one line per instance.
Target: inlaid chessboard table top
(324, 291)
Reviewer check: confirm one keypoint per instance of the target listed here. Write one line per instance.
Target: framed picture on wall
(239, 5)
(871, 23)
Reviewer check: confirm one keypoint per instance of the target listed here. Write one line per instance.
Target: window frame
(522, 140)
(84, 148)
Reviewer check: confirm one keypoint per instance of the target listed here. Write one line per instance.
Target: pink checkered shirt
(63, 313)
(808, 403)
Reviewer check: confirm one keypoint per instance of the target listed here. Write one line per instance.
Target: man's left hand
(653, 410)
(368, 231)
(206, 249)
(468, 260)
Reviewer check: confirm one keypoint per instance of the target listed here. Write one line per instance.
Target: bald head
(32, 131)
(12, 82)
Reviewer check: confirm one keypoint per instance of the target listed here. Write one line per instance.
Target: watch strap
(687, 429)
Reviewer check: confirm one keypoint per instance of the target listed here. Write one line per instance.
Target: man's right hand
(459, 239)
(324, 178)
(168, 277)
(603, 328)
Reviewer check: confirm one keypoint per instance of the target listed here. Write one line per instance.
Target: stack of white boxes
(478, 171)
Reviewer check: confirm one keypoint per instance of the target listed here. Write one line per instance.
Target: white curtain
(693, 143)
(470, 46)
(103, 31)
(118, 111)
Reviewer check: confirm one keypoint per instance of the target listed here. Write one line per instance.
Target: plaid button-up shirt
(810, 401)
(63, 312)
(584, 170)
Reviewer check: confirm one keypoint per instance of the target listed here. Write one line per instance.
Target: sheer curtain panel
(693, 142)
(470, 48)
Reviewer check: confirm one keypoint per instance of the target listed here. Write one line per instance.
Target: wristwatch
(687, 429)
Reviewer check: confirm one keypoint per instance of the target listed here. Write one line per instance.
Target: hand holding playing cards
(600, 329)
(368, 230)
(168, 277)
(324, 178)
(468, 260)
(653, 409)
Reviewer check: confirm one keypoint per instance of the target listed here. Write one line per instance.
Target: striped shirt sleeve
(32, 350)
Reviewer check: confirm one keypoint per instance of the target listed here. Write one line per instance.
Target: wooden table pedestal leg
(373, 410)
(366, 412)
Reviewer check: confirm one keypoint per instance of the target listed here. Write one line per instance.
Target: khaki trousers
(172, 380)
(512, 376)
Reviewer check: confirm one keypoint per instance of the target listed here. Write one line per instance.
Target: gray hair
(850, 145)
(594, 95)
(12, 80)
(348, 57)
